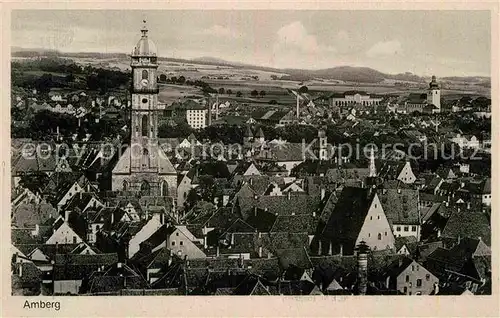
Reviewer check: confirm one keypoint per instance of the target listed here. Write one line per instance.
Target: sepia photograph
(250, 153)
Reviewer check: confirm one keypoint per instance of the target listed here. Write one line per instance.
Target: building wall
(376, 231)
(196, 118)
(147, 230)
(62, 287)
(134, 181)
(434, 97)
(406, 175)
(64, 235)
(183, 190)
(404, 230)
(182, 246)
(413, 273)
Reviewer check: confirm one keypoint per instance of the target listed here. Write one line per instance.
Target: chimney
(458, 239)
(170, 258)
(37, 230)
(439, 233)
(119, 265)
(436, 288)
(468, 205)
(289, 195)
(112, 217)
(217, 253)
(232, 239)
(205, 241)
(66, 215)
(260, 251)
(362, 268)
(323, 191)
(21, 269)
(314, 213)
(250, 181)
(330, 248)
(341, 249)
(479, 238)
(399, 191)
(319, 247)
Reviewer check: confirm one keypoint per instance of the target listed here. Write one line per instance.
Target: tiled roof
(346, 220)
(401, 206)
(472, 223)
(261, 220)
(280, 205)
(295, 224)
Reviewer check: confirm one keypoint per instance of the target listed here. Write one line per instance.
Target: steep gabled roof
(348, 217)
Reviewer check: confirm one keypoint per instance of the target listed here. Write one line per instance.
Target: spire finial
(144, 29)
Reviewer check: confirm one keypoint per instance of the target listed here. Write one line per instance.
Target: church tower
(144, 166)
(434, 93)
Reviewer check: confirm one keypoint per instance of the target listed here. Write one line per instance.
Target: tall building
(434, 94)
(144, 166)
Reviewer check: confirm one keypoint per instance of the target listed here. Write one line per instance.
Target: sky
(443, 43)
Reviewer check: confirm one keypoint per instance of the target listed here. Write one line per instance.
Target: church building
(144, 166)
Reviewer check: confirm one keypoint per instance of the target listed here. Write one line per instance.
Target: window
(385, 233)
(145, 125)
(144, 74)
(371, 218)
(378, 217)
(418, 267)
(406, 228)
(125, 185)
(413, 228)
(375, 205)
(405, 289)
(180, 243)
(427, 277)
(407, 279)
(176, 234)
(398, 228)
(379, 236)
(145, 188)
(173, 243)
(144, 100)
(412, 268)
(369, 234)
(74, 239)
(419, 283)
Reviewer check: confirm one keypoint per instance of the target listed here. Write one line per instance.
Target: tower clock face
(144, 82)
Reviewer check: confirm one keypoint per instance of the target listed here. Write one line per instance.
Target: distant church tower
(144, 166)
(434, 94)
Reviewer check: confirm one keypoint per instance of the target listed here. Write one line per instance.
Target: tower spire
(372, 168)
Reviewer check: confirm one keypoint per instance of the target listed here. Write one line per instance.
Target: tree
(303, 89)
(70, 77)
(262, 93)
(173, 79)
(254, 93)
(274, 77)
(163, 78)
(221, 90)
(181, 80)
(238, 94)
(229, 91)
